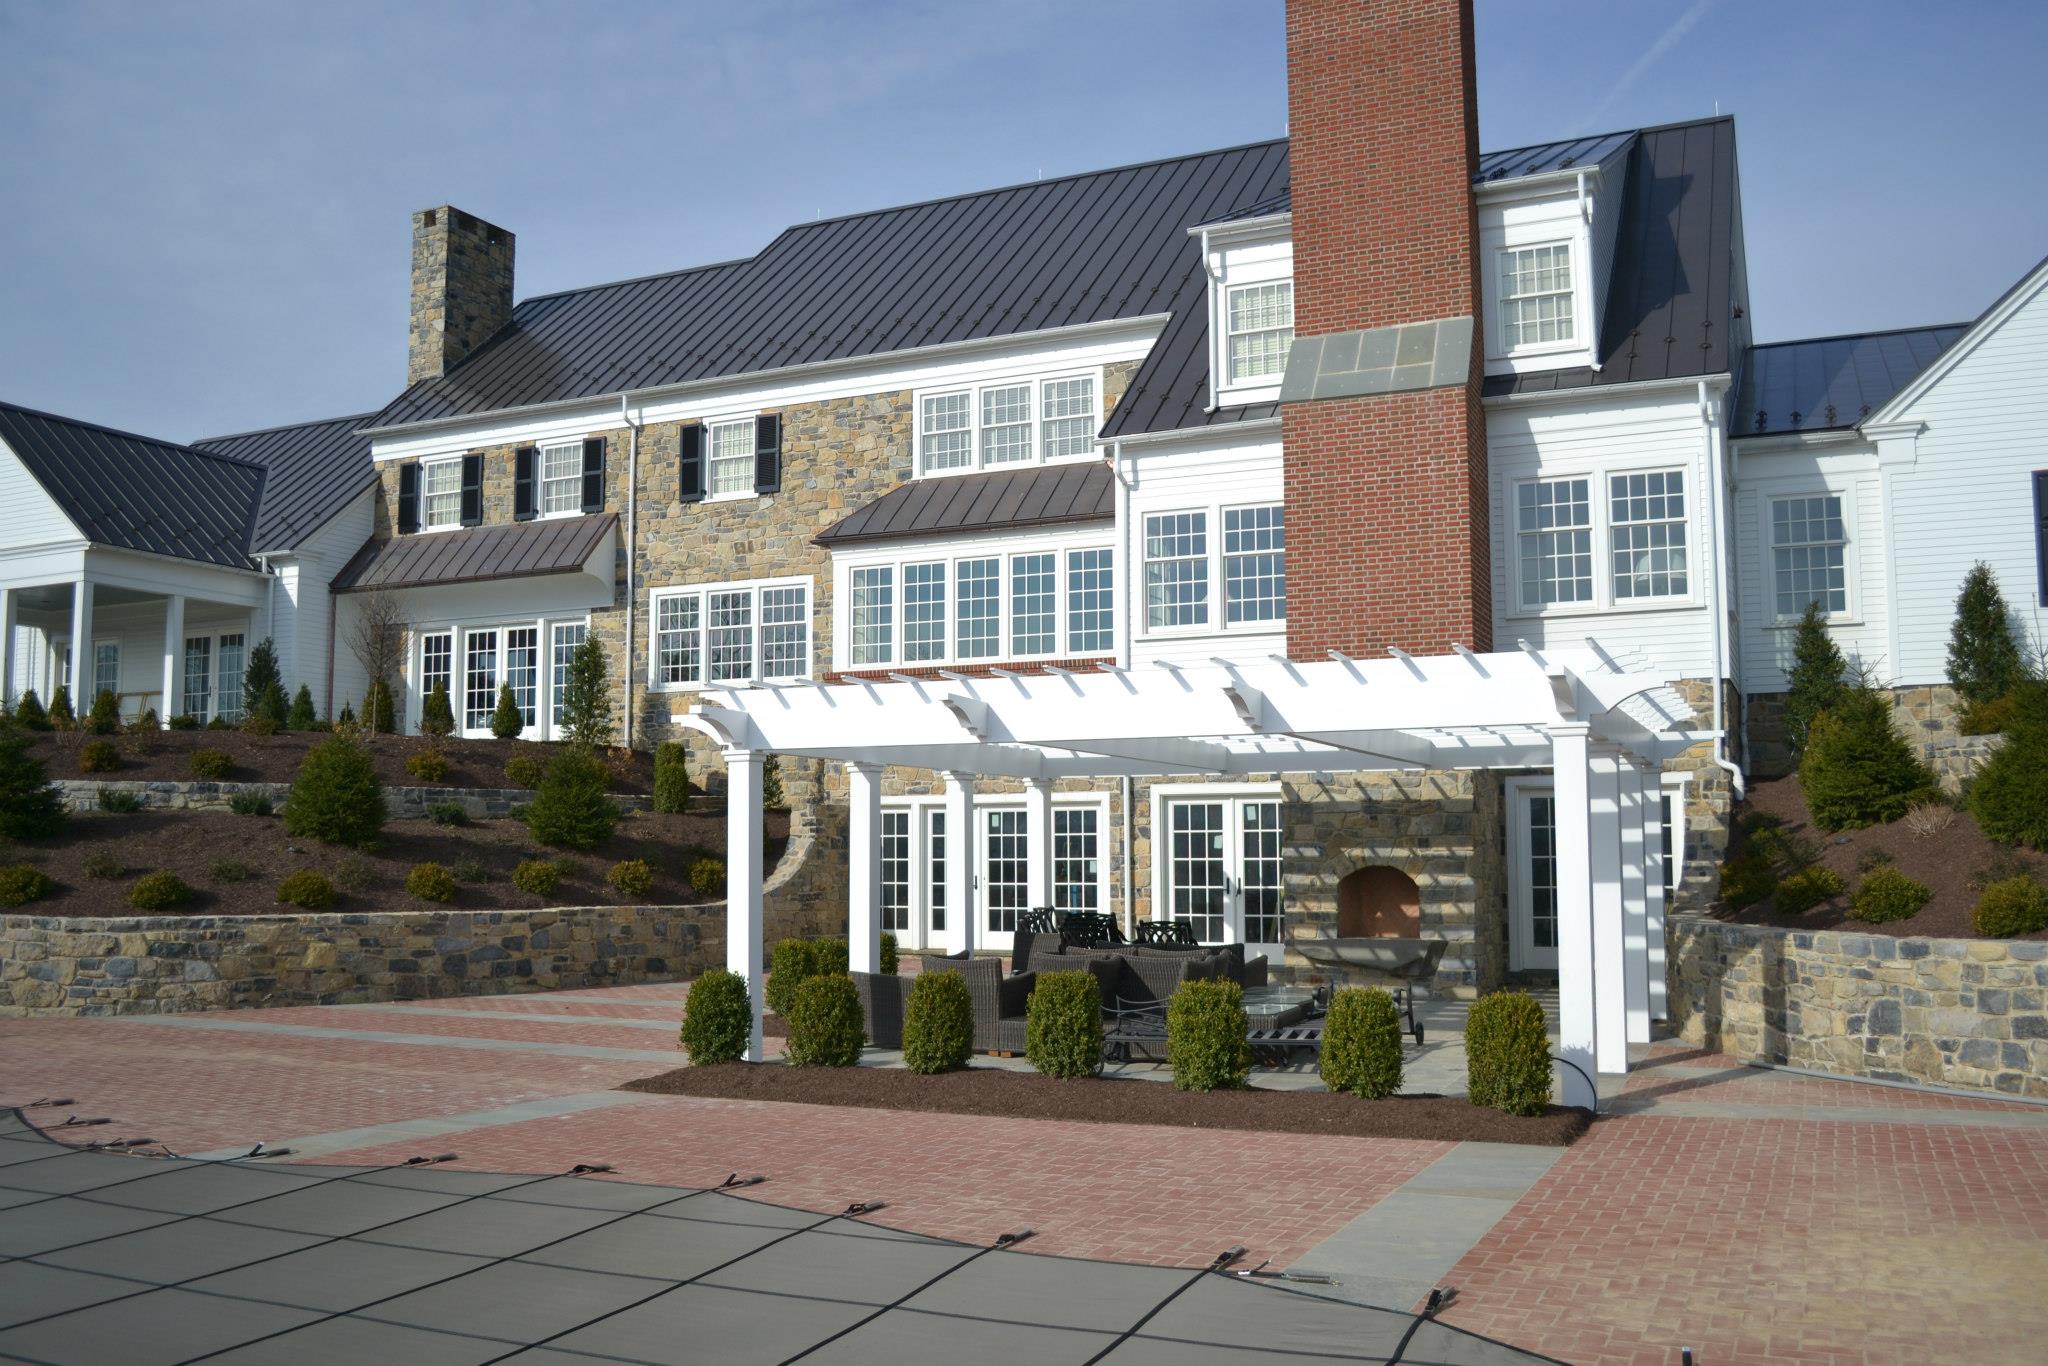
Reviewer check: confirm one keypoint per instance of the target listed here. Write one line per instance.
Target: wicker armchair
(882, 998)
(999, 1001)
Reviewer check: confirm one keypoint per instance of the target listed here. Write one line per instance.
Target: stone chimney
(461, 289)
(1386, 478)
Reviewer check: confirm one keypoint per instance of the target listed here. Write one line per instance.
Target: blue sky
(207, 204)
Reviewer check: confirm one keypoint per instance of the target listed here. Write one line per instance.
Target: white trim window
(874, 614)
(1011, 422)
(1255, 564)
(1537, 306)
(1646, 520)
(978, 607)
(479, 678)
(230, 660)
(1176, 569)
(522, 671)
(924, 612)
(729, 452)
(564, 637)
(1047, 602)
(1809, 554)
(1258, 331)
(106, 669)
(440, 494)
(729, 633)
(1554, 536)
(561, 479)
(1091, 601)
(437, 664)
(198, 699)
(1034, 604)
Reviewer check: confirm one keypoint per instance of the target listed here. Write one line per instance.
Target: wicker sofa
(999, 1000)
(1148, 971)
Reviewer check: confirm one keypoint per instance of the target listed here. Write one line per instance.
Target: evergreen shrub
(571, 808)
(938, 1023)
(671, 778)
(307, 890)
(1063, 1024)
(825, 1026)
(718, 1018)
(2014, 905)
(336, 797)
(1205, 1036)
(430, 882)
(1507, 1053)
(1361, 1050)
(210, 765)
(1886, 894)
(159, 892)
(1857, 770)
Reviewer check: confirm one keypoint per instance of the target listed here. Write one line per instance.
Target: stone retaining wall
(82, 794)
(1952, 1012)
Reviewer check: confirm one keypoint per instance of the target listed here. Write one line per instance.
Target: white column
(81, 646)
(743, 872)
(864, 867)
(7, 606)
(1635, 879)
(1610, 1011)
(1038, 840)
(174, 659)
(1572, 783)
(961, 846)
(1653, 835)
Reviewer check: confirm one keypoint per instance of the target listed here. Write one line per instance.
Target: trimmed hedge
(1857, 770)
(1362, 1044)
(718, 1018)
(789, 963)
(570, 807)
(21, 883)
(707, 877)
(671, 777)
(430, 882)
(938, 1023)
(1886, 894)
(825, 1026)
(828, 957)
(1809, 887)
(159, 892)
(891, 958)
(210, 765)
(523, 770)
(307, 890)
(631, 877)
(1063, 1025)
(2014, 905)
(1205, 1036)
(336, 798)
(1507, 1054)
(537, 875)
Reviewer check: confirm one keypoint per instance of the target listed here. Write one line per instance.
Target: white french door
(1220, 870)
(1532, 876)
(915, 846)
(1003, 873)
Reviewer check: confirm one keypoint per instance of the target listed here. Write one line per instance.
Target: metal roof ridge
(1859, 336)
(198, 443)
(629, 280)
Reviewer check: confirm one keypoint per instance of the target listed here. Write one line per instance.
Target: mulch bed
(1110, 1100)
(1953, 862)
(166, 756)
(197, 844)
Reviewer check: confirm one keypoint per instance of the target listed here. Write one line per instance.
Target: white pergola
(1603, 730)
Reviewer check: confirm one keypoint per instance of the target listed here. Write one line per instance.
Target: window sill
(1278, 626)
(675, 688)
(1635, 607)
(731, 497)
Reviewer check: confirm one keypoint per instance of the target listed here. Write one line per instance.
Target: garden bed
(196, 844)
(1953, 862)
(166, 756)
(1003, 1094)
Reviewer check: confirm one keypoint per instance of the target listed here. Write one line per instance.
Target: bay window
(729, 633)
(1536, 302)
(1013, 422)
(1809, 555)
(472, 663)
(1044, 604)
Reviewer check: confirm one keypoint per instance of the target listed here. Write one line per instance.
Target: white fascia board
(2018, 297)
(33, 566)
(1238, 231)
(1716, 384)
(1215, 434)
(1780, 443)
(1109, 342)
(165, 574)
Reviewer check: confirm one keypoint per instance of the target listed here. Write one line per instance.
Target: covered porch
(1602, 730)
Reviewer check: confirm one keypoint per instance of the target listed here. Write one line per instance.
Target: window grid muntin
(924, 612)
(894, 858)
(1647, 543)
(1809, 553)
(1091, 601)
(1176, 569)
(1034, 604)
(871, 614)
(1067, 417)
(1543, 872)
(945, 434)
(1199, 890)
(1255, 564)
(1006, 423)
(561, 478)
(1259, 330)
(1554, 523)
(679, 639)
(977, 612)
(440, 494)
(1536, 300)
(198, 676)
(785, 632)
(729, 457)
(437, 664)
(935, 861)
(1260, 881)
(106, 669)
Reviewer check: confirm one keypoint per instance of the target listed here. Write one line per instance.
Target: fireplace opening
(1379, 903)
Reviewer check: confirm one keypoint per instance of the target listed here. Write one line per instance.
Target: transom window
(1809, 553)
(1011, 423)
(1554, 524)
(1646, 534)
(1255, 564)
(1259, 329)
(731, 456)
(440, 494)
(561, 478)
(730, 633)
(1536, 296)
(1176, 569)
(1028, 604)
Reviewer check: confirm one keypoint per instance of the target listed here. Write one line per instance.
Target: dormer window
(440, 494)
(1536, 301)
(1260, 327)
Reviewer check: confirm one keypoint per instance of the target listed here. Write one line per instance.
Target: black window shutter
(768, 453)
(472, 490)
(2041, 531)
(408, 498)
(692, 490)
(522, 484)
(593, 474)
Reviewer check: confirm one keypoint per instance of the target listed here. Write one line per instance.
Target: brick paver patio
(1754, 1216)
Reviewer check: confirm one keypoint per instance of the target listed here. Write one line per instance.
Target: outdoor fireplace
(1378, 902)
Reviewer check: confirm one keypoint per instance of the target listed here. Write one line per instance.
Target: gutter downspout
(632, 551)
(270, 603)
(1123, 658)
(1718, 578)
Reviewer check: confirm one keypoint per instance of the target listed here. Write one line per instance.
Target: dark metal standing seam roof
(138, 493)
(1046, 495)
(509, 550)
(314, 468)
(1055, 253)
(1831, 383)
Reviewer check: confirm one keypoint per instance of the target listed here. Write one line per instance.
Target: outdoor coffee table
(1282, 1021)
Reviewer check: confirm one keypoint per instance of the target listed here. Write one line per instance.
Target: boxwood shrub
(1362, 1044)
(21, 883)
(159, 892)
(825, 1027)
(891, 959)
(537, 875)
(427, 765)
(789, 963)
(1886, 894)
(671, 777)
(1507, 1053)
(1205, 1036)
(1808, 887)
(523, 770)
(938, 1023)
(631, 877)
(707, 877)
(430, 882)
(718, 1018)
(2010, 906)
(306, 889)
(98, 756)
(1063, 1025)
(210, 765)
(828, 956)
(336, 797)
(1747, 879)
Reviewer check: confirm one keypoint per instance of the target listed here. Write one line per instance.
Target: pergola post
(1038, 841)
(1610, 1020)
(1571, 780)
(8, 604)
(960, 855)
(81, 645)
(743, 875)
(174, 658)
(864, 866)
(1635, 878)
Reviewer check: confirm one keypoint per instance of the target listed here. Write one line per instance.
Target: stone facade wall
(1709, 796)
(403, 803)
(1952, 1012)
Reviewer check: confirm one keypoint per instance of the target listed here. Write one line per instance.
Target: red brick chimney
(1386, 478)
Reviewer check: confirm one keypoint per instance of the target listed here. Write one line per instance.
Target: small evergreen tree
(2009, 794)
(379, 714)
(105, 716)
(570, 808)
(1857, 770)
(29, 713)
(302, 717)
(1818, 677)
(1984, 662)
(347, 717)
(61, 715)
(437, 718)
(506, 719)
(263, 685)
(336, 797)
(671, 777)
(771, 785)
(586, 696)
(29, 806)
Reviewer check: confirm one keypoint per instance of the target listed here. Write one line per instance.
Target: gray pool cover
(136, 1260)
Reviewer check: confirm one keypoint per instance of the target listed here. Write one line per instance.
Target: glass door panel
(1259, 895)
(1198, 887)
(1005, 881)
